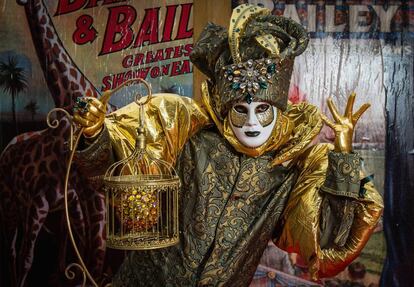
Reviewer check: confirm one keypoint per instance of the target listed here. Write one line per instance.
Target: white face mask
(252, 123)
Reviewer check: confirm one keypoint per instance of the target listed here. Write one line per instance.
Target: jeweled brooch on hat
(250, 76)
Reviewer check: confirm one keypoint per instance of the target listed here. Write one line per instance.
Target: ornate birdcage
(141, 197)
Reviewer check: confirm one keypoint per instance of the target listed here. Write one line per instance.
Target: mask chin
(252, 134)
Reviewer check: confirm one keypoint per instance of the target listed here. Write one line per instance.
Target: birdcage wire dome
(141, 196)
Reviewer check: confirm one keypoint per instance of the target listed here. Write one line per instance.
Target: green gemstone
(263, 85)
(271, 68)
(235, 86)
(249, 99)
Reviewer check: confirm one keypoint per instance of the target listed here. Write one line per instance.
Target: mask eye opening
(262, 108)
(240, 109)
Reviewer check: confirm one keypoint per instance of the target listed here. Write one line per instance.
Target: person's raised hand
(344, 126)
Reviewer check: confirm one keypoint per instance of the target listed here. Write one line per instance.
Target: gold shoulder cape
(170, 120)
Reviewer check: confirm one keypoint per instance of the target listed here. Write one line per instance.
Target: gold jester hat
(253, 61)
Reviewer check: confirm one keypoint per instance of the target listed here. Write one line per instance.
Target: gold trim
(269, 43)
(155, 180)
(239, 18)
(126, 243)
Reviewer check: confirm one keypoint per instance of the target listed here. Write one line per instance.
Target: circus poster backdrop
(59, 50)
(98, 44)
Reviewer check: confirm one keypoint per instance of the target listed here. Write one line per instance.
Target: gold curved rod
(72, 239)
(71, 275)
(72, 146)
(55, 123)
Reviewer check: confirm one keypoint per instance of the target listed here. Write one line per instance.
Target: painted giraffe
(64, 79)
(33, 165)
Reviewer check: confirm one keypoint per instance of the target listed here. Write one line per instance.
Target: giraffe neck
(64, 79)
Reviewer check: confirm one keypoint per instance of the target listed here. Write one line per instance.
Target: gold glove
(344, 125)
(89, 113)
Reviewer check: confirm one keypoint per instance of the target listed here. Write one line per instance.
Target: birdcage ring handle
(138, 97)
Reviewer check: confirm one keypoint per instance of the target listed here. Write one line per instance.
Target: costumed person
(247, 169)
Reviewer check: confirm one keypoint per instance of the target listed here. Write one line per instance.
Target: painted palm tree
(32, 108)
(13, 80)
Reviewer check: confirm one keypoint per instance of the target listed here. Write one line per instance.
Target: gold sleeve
(170, 120)
(300, 232)
(92, 159)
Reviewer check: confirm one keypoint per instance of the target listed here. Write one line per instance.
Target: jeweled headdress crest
(253, 60)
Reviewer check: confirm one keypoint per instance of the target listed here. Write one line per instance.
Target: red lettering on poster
(186, 68)
(107, 83)
(149, 58)
(127, 61)
(169, 23)
(149, 28)
(165, 69)
(67, 6)
(84, 32)
(188, 48)
(183, 33)
(139, 60)
(119, 24)
(159, 56)
(94, 3)
(175, 69)
(168, 52)
(155, 72)
(178, 52)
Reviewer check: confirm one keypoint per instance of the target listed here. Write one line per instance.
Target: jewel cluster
(250, 76)
(139, 210)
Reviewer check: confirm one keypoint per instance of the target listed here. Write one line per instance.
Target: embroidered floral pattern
(343, 175)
